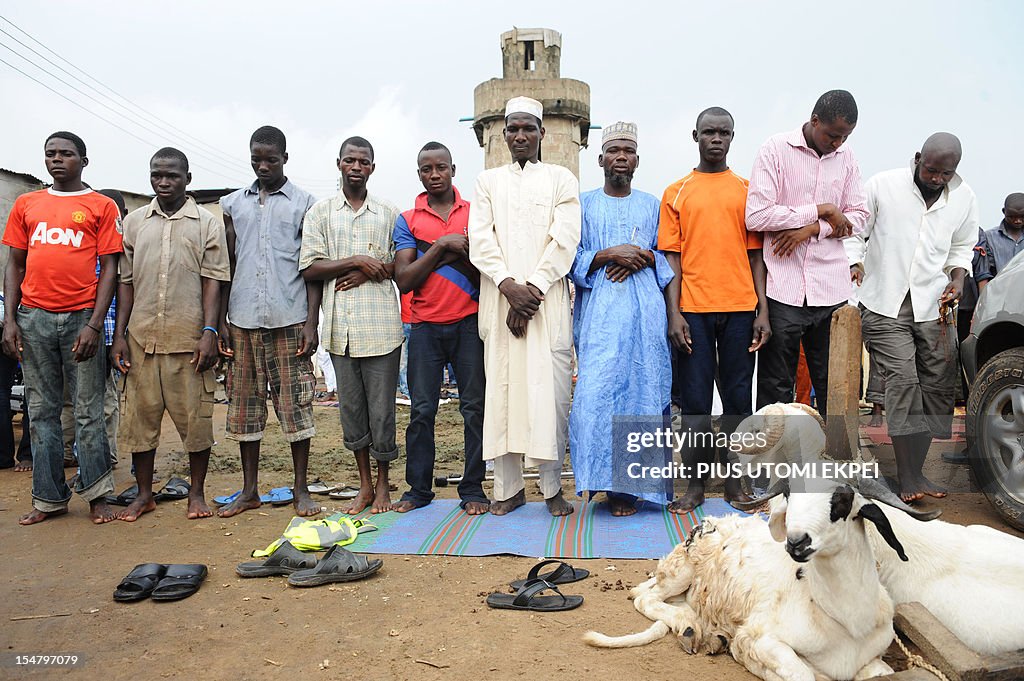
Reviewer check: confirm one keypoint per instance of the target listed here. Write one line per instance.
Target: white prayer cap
(619, 131)
(525, 105)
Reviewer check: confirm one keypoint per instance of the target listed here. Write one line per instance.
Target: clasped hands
(786, 242)
(524, 300)
(625, 260)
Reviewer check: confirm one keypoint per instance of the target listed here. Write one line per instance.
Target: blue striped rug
(442, 528)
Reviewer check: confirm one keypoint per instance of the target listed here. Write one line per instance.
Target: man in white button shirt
(910, 263)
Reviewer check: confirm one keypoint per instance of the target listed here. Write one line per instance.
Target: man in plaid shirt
(347, 243)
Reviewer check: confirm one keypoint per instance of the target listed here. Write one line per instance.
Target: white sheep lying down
(809, 609)
(970, 577)
(967, 576)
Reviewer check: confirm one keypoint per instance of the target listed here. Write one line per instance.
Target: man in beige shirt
(165, 340)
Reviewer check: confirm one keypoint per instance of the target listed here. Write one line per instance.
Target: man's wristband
(94, 328)
(210, 328)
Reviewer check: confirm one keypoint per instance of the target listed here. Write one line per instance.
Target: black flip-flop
(563, 573)
(140, 582)
(338, 565)
(283, 561)
(528, 598)
(124, 498)
(175, 489)
(180, 581)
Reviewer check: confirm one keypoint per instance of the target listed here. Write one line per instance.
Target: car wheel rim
(1004, 438)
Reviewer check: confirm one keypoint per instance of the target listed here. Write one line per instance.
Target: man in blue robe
(619, 329)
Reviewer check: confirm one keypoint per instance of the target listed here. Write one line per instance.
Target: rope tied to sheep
(918, 661)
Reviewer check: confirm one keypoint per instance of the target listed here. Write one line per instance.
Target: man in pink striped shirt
(805, 194)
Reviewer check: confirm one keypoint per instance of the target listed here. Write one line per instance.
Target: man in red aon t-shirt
(54, 325)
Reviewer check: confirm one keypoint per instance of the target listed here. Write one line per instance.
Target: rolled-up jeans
(47, 361)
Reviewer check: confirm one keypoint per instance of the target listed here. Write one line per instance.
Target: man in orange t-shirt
(716, 305)
(55, 310)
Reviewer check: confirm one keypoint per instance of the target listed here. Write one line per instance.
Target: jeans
(431, 347)
(47, 362)
(8, 367)
(111, 411)
(719, 342)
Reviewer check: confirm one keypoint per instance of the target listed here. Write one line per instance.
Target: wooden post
(842, 440)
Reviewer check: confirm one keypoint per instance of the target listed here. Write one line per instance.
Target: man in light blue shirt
(268, 319)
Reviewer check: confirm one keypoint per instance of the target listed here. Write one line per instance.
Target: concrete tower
(531, 66)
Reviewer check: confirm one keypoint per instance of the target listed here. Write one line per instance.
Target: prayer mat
(442, 528)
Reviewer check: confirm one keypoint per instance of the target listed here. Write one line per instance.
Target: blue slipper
(279, 496)
(225, 500)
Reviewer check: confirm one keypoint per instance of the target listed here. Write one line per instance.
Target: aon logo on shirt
(56, 236)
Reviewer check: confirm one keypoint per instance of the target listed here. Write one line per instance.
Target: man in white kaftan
(524, 227)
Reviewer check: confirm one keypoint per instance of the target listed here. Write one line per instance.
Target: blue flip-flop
(279, 496)
(225, 500)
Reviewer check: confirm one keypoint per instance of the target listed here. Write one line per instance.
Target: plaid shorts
(265, 356)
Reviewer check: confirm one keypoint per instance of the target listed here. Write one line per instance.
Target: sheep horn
(810, 412)
(873, 489)
(774, 427)
(781, 486)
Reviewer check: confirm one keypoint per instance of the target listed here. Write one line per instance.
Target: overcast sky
(403, 73)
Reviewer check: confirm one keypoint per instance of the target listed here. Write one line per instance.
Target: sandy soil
(421, 618)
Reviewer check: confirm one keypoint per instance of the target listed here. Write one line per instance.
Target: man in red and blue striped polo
(432, 261)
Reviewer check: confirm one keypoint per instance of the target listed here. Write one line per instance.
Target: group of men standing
(721, 268)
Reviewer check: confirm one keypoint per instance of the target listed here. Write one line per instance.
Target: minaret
(531, 66)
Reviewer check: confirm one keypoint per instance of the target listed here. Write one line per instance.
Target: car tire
(995, 433)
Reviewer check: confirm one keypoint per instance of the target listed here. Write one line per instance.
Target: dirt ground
(421, 618)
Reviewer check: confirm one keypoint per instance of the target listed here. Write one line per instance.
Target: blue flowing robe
(620, 334)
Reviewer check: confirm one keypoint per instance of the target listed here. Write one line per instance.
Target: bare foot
(36, 516)
(240, 504)
(23, 467)
(197, 507)
(738, 495)
(141, 504)
(404, 507)
(930, 488)
(509, 505)
(476, 507)
(876, 417)
(100, 512)
(304, 504)
(382, 500)
(621, 507)
(362, 500)
(558, 506)
(689, 501)
(909, 494)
